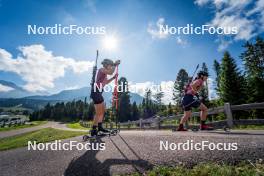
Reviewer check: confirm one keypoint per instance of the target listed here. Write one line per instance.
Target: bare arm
(109, 72)
(107, 81)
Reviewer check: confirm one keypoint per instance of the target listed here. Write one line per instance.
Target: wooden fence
(227, 109)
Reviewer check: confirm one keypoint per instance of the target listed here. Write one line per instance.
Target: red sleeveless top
(100, 78)
(189, 88)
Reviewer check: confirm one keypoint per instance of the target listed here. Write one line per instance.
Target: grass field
(76, 125)
(209, 169)
(15, 108)
(33, 123)
(40, 136)
(249, 127)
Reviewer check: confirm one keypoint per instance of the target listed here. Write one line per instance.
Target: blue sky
(144, 57)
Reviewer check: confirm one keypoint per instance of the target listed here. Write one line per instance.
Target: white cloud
(142, 88)
(258, 10)
(69, 19)
(72, 87)
(180, 41)
(211, 89)
(166, 88)
(90, 4)
(201, 2)
(239, 14)
(223, 43)
(153, 29)
(38, 67)
(4, 88)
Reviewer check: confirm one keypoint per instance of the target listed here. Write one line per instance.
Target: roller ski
(202, 127)
(94, 135)
(101, 132)
(209, 128)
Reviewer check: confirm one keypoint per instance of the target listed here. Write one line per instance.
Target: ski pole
(115, 96)
(195, 72)
(94, 72)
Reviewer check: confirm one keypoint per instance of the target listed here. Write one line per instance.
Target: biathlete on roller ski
(191, 100)
(108, 68)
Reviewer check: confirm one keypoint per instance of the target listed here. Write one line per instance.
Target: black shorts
(190, 101)
(97, 97)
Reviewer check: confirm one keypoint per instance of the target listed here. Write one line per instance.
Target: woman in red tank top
(101, 80)
(191, 100)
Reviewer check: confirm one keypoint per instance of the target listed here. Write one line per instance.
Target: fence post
(140, 123)
(228, 113)
(158, 122)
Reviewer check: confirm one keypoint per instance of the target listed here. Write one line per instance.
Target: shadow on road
(88, 164)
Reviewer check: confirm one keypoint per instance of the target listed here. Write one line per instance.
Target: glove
(117, 62)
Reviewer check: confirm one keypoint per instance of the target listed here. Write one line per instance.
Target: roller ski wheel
(114, 132)
(102, 134)
(226, 129)
(195, 129)
(85, 138)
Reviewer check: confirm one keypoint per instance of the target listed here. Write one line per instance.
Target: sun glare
(110, 42)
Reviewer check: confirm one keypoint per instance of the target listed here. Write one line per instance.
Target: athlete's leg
(102, 112)
(96, 119)
(185, 117)
(204, 111)
(97, 114)
(203, 116)
(101, 118)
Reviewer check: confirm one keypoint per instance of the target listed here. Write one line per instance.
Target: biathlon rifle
(191, 79)
(94, 72)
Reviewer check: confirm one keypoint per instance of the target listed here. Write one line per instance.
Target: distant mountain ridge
(31, 100)
(17, 92)
(81, 94)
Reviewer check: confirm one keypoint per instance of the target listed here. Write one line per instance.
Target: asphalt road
(131, 151)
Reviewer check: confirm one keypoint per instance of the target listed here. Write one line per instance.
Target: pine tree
(181, 81)
(91, 111)
(135, 112)
(158, 99)
(124, 106)
(231, 82)
(217, 70)
(253, 58)
(147, 105)
(170, 110)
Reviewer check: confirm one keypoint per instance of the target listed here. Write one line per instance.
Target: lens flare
(110, 42)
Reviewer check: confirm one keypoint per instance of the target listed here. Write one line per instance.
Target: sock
(94, 127)
(100, 125)
(202, 122)
(181, 125)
